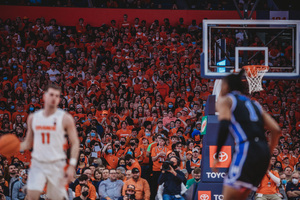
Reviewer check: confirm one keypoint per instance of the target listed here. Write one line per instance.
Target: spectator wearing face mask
(108, 154)
(196, 173)
(292, 187)
(84, 180)
(282, 186)
(20, 83)
(131, 162)
(136, 152)
(84, 193)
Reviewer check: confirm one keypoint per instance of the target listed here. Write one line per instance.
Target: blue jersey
(252, 155)
(246, 119)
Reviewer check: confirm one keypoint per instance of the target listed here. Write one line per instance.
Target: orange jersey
(123, 133)
(267, 185)
(156, 150)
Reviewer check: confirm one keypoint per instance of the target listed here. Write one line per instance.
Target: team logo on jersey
(224, 156)
(204, 195)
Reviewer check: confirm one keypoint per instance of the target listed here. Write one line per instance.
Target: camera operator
(172, 178)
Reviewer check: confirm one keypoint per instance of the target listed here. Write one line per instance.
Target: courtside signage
(207, 195)
(224, 156)
(203, 125)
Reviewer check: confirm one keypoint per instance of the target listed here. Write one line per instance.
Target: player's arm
(223, 106)
(28, 141)
(71, 131)
(271, 125)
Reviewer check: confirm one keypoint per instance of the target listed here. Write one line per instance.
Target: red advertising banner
(224, 156)
(97, 16)
(204, 195)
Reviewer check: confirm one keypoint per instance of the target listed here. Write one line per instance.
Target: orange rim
(253, 69)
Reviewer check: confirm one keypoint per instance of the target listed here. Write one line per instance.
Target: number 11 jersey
(48, 136)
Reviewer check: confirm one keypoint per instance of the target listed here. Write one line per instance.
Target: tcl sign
(206, 195)
(224, 156)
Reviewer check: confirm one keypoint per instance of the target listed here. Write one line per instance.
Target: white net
(254, 78)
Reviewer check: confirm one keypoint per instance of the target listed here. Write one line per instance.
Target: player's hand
(214, 168)
(70, 173)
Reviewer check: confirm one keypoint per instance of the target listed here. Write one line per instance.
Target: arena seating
(120, 81)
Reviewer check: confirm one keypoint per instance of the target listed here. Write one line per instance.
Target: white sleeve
(160, 191)
(183, 189)
(274, 178)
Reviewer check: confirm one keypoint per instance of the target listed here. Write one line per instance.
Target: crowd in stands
(153, 4)
(136, 95)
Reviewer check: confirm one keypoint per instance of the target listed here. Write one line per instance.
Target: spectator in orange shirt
(80, 27)
(131, 162)
(84, 193)
(142, 189)
(285, 153)
(123, 132)
(158, 155)
(83, 179)
(20, 111)
(268, 186)
(108, 154)
(286, 163)
(163, 88)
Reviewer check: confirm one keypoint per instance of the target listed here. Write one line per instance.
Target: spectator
(52, 72)
(148, 72)
(105, 174)
(292, 187)
(129, 193)
(131, 162)
(288, 172)
(196, 173)
(282, 187)
(172, 180)
(97, 178)
(18, 188)
(268, 186)
(128, 174)
(83, 179)
(111, 189)
(142, 189)
(194, 162)
(13, 177)
(84, 193)
(158, 155)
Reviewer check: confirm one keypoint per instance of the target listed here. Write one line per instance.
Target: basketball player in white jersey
(46, 134)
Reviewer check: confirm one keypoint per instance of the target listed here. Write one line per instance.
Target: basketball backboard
(228, 45)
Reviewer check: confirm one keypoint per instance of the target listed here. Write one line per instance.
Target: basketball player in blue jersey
(245, 120)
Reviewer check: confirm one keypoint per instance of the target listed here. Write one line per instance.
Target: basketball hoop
(254, 75)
